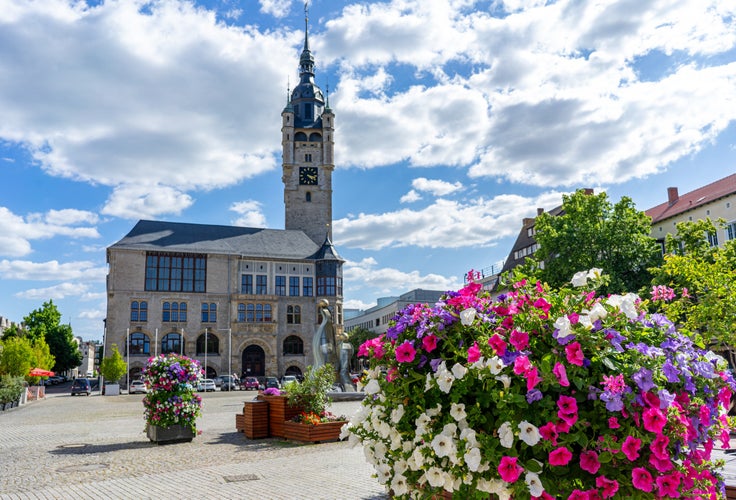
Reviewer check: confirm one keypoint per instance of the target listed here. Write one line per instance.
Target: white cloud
(443, 224)
(277, 8)
(436, 186)
(410, 197)
(52, 271)
(16, 233)
(56, 292)
(251, 214)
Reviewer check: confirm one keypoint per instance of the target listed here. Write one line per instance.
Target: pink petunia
(498, 344)
(405, 353)
(392, 374)
(630, 447)
(532, 378)
(608, 487)
(668, 485)
(578, 495)
(574, 354)
(613, 423)
(659, 447)
(549, 432)
(473, 353)
(567, 405)
(660, 464)
(522, 365)
(589, 461)
(561, 374)
(654, 420)
(429, 343)
(520, 340)
(560, 456)
(509, 470)
(642, 479)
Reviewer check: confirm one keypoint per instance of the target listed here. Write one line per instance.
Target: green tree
(591, 232)
(703, 283)
(17, 357)
(42, 357)
(13, 331)
(113, 367)
(45, 323)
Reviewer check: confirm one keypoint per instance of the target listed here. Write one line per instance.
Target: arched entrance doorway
(254, 361)
(294, 370)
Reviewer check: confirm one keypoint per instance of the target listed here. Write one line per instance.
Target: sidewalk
(94, 447)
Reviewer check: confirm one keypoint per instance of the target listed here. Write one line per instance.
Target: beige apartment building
(240, 300)
(715, 201)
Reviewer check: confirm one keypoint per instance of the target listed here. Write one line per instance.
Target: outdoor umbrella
(40, 372)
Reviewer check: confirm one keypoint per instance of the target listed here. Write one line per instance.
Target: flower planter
(278, 412)
(313, 433)
(254, 419)
(169, 435)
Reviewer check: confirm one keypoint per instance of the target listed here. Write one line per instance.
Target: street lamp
(127, 358)
(206, 338)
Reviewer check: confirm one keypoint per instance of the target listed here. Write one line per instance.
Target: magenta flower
(589, 461)
(567, 406)
(613, 423)
(549, 432)
(498, 344)
(522, 365)
(561, 374)
(660, 464)
(520, 340)
(429, 343)
(532, 378)
(578, 495)
(642, 479)
(560, 456)
(405, 353)
(473, 353)
(659, 447)
(654, 420)
(607, 487)
(509, 470)
(668, 485)
(574, 354)
(630, 447)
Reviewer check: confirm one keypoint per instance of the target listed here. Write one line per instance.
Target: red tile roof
(693, 199)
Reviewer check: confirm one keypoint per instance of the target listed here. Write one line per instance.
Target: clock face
(308, 176)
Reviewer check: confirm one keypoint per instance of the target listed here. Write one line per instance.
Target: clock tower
(307, 139)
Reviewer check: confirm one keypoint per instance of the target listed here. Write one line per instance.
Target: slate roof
(205, 238)
(693, 199)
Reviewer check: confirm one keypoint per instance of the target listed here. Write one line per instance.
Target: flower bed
(171, 399)
(542, 394)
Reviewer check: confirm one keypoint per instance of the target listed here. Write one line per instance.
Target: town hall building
(240, 300)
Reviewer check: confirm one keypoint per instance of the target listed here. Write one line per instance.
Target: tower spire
(306, 25)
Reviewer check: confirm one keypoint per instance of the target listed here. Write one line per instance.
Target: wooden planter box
(731, 492)
(278, 412)
(169, 435)
(255, 419)
(319, 433)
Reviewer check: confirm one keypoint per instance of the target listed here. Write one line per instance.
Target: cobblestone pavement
(95, 447)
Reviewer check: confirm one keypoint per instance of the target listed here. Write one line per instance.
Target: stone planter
(112, 389)
(278, 412)
(169, 435)
(313, 433)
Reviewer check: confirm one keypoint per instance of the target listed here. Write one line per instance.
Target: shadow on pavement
(92, 449)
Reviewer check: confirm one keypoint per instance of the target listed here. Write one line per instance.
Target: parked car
(288, 379)
(206, 385)
(272, 382)
(229, 383)
(218, 381)
(81, 386)
(137, 387)
(251, 384)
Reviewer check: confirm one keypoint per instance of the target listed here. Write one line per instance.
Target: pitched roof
(678, 204)
(205, 238)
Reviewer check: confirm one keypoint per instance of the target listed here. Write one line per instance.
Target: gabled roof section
(205, 238)
(327, 252)
(676, 204)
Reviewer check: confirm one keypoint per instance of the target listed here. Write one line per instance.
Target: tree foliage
(17, 357)
(45, 323)
(700, 284)
(113, 367)
(591, 232)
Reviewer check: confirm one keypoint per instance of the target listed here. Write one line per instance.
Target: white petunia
(459, 371)
(397, 413)
(444, 379)
(433, 412)
(467, 316)
(496, 365)
(529, 433)
(472, 458)
(428, 383)
(399, 485)
(534, 484)
(468, 434)
(580, 278)
(372, 387)
(435, 477)
(564, 327)
(505, 380)
(443, 445)
(585, 321)
(457, 411)
(597, 312)
(595, 273)
(506, 435)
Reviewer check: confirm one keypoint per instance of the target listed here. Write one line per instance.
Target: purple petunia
(643, 379)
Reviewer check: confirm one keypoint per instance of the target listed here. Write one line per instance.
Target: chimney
(540, 211)
(672, 195)
(588, 191)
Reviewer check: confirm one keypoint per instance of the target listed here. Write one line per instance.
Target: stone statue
(327, 348)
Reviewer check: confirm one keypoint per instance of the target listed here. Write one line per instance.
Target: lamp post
(206, 338)
(155, 344)
(127, 358)
(181, 343)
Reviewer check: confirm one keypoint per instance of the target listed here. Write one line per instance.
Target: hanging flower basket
(542, 394)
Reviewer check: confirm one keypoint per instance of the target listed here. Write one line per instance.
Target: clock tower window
(308, 157)
(308, 197)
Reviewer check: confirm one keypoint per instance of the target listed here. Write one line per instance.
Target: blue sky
(455, 119)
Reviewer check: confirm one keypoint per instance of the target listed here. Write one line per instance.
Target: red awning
(40, 372)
